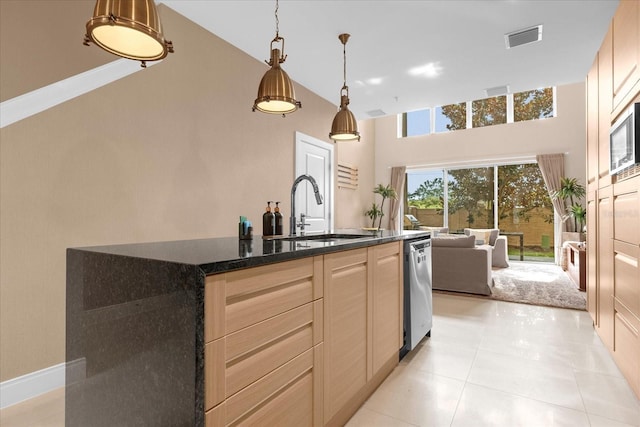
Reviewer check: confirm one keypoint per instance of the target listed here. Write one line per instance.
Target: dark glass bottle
(268, 221)
(278, 220)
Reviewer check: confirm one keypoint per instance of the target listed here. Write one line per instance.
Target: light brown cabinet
(626, 52)
(363, 330)
(263, 351)
(345, 346)
(592, 256)
(604, 109)
(304, 342)
(386, 308)
(613, 201)
(592, 128)
(605, 266)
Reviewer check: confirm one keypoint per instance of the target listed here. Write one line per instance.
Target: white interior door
(315, 158)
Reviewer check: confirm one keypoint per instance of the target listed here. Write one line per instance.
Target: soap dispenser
(278, 220)
(268, 221)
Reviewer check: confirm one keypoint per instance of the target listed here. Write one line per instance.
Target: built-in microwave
(624, 140)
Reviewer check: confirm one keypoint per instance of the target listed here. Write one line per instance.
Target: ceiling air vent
(497, 91)
(376, 113)
(526, 36)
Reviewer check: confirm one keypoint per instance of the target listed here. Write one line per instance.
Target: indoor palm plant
(386, 192)
(571, 190)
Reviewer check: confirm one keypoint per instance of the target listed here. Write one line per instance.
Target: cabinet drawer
(626, 208)
(242, 298)
(627, 275)
(627, 346)
(288, 396)
(239, 359)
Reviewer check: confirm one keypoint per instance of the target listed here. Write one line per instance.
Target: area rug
(538, 284)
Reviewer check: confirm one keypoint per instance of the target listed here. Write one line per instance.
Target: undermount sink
(330, 237)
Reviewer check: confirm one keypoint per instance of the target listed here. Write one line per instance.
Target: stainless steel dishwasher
(418, 301)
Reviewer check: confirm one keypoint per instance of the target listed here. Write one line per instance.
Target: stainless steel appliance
(418, 302)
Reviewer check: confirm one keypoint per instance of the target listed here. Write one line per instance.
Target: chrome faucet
(316, 190)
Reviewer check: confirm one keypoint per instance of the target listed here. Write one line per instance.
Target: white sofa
(499, 244)
(461, 266)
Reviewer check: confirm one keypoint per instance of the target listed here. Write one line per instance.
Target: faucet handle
(302, 222)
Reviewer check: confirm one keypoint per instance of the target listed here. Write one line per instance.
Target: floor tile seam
(615, 377)
(611, 419)
(530, 398)
(390, 416)
(464, 386)
(524, 359)
(590, 371)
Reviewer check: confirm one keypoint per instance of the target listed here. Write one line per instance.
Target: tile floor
(494, 363)
(488, 363)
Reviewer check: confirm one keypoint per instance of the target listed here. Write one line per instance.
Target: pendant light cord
(277, 21)
(344, 62)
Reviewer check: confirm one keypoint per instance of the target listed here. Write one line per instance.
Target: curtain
(397, 182)
(552, 169)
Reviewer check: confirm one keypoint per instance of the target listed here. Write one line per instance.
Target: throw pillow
(487, 235)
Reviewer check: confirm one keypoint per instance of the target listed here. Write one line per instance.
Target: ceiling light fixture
(128, 28)
(344, 126)
(275, 93)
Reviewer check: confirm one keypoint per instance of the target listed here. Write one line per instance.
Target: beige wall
(353, 203)
(172, 152)
(562, 134)
(44, 46)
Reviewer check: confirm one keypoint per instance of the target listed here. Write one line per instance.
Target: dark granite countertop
(217, 255)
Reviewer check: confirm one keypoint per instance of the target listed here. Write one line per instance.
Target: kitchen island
(224, 331)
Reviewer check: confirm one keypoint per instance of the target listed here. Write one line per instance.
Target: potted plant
(387, 192)
(571, 190)
(373, 214)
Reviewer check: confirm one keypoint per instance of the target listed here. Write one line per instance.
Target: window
(489, 111)
(533, 104)
(416, 123)
(451, 117)
(529, 105)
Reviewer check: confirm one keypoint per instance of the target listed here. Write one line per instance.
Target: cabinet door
(605, 99)
(592, 256)
(387, 290)
(626, 51)
(605, 266)
(592, 127)
(345, 328)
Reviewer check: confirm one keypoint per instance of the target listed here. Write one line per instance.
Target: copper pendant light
(275, 93)
(128, 28)
(344, 126)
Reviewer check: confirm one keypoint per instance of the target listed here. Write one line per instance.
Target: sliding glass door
(470, 198)
(512, 198)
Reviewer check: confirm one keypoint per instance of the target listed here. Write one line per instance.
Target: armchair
(491, 236)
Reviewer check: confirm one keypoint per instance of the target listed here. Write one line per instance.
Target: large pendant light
(128, 28)
(275, 93)
(344, 126)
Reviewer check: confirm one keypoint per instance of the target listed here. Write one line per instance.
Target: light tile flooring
(494, 363)
(488, 363)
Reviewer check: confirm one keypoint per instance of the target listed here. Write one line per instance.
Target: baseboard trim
(33, 384)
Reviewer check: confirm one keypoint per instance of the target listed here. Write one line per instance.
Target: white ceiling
(389, 38)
